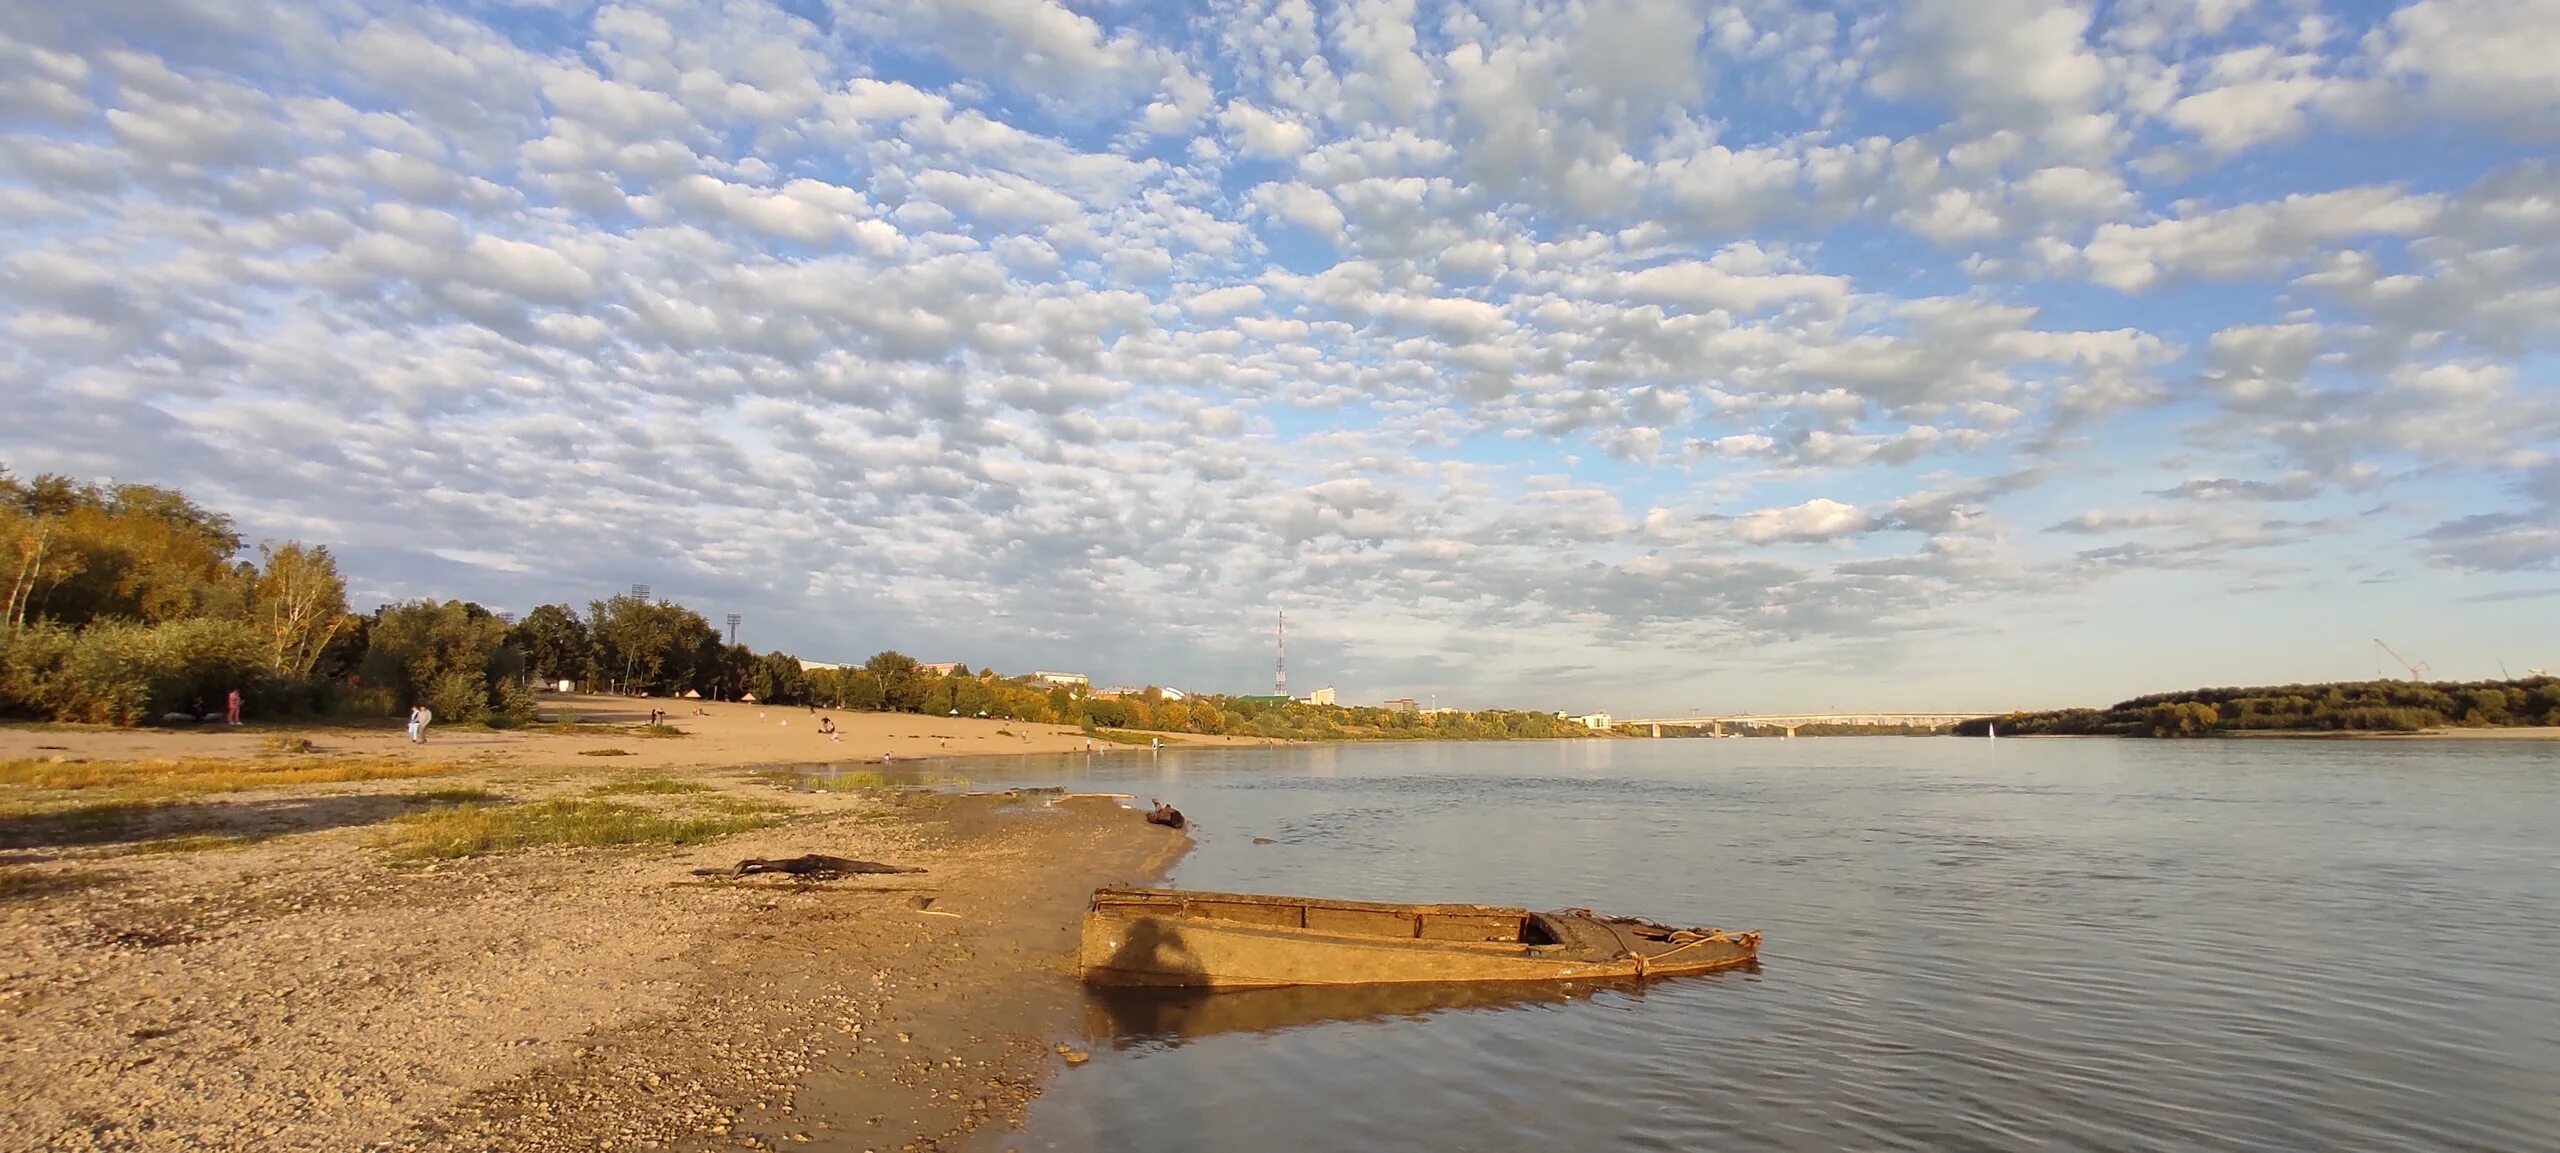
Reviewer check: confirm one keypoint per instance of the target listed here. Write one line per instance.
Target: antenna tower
(640, 591)
(1280, 659)
(733, 628)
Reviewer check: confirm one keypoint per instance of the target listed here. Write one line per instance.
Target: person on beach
(417, 724)
(827, 729)
(232, 708)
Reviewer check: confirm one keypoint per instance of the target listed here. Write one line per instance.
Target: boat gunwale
(1104, 899)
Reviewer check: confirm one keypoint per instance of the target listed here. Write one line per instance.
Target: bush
(121, 674)
(458, 697)
(514, 705)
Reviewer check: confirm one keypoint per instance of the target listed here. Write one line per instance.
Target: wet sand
(303, 993)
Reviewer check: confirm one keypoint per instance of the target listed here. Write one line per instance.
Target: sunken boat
(1180, 939)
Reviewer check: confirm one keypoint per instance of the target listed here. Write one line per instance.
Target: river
(2020, 944)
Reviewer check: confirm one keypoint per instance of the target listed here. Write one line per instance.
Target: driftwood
(814, 866)
(1165, 815)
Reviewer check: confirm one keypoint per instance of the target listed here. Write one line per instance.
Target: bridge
(1793, 721)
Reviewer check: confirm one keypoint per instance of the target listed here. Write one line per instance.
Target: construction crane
(2417, 672)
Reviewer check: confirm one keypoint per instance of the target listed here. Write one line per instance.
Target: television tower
(1280, 659)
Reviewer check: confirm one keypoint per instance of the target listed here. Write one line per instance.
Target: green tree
(441, 654)
(651, 646)
(902, 686)
(778, 678)
(555, 644)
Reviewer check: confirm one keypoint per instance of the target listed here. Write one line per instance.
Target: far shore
(2519, 733)
(276, 978)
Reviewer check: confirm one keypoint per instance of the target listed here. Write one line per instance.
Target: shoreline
(2511, 733)
(298, 990)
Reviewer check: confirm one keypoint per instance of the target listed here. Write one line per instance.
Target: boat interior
(1472, 923)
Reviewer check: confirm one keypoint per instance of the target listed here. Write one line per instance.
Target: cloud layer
(1599, 354)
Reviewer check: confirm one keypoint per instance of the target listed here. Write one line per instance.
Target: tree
(555, 644)
(651, 646)
(300, 605)
(901, 680)
(777, 677)
(441, 654)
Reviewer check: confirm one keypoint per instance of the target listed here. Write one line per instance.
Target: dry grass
(188, 843)
(180, 778)
(646, 786)
(604, 752)
(455, 796)
(465, 830)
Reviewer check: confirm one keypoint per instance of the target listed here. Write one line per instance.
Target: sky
(1647, 357)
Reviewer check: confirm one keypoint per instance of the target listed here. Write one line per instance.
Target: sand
(722, 734)
(304, 993)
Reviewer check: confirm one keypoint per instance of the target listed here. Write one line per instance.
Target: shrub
(514, 705)
(118, 673)
(458, 697)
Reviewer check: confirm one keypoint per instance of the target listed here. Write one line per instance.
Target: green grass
(191, 777)
(645, 786)
(1123, 737)
(468, 830)
(21, 885)
(455, 796)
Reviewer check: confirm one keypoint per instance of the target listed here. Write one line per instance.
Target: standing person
(417, 724)
(233, 704)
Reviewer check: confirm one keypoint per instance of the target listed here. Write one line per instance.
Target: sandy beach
(282, 982)
(721, 734)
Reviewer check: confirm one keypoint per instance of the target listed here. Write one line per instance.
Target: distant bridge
(1793, 721)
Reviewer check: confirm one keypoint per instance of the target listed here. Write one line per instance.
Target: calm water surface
(2120, 945)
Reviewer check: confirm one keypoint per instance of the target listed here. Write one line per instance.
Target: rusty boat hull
(1177, 939)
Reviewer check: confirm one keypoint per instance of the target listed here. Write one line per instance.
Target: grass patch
(281, 743)
(604, 752)
(455, 796)
(187, 843)
(1123, 737)
(91, 822)
(661, 732)
(643, 786)
(17, 885)
(148, 779)
(466, 830)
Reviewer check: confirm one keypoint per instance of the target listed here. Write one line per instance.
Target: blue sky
(1620, 355)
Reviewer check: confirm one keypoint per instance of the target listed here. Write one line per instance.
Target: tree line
(2346, 706)
(127, 603)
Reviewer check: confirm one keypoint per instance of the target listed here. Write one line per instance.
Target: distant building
(940, 670)
(816, 666)
(1322, 696)
(1591, 720)
(1266, 700)
(1440, 712)
(1403, 705)
(1173, 694)
(1070, 679)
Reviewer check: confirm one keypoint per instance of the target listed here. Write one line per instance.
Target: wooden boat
(1168, 937)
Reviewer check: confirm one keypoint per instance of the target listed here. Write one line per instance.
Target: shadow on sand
(135, 822)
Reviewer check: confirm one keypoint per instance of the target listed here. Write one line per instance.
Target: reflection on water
(1139, 1017)
(2117, 945)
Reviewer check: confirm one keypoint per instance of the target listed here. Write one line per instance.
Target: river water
(2020, 944)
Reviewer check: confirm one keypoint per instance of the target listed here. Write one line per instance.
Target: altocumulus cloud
(1751, 353)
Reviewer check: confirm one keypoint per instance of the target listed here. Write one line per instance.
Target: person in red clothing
(234, 709)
